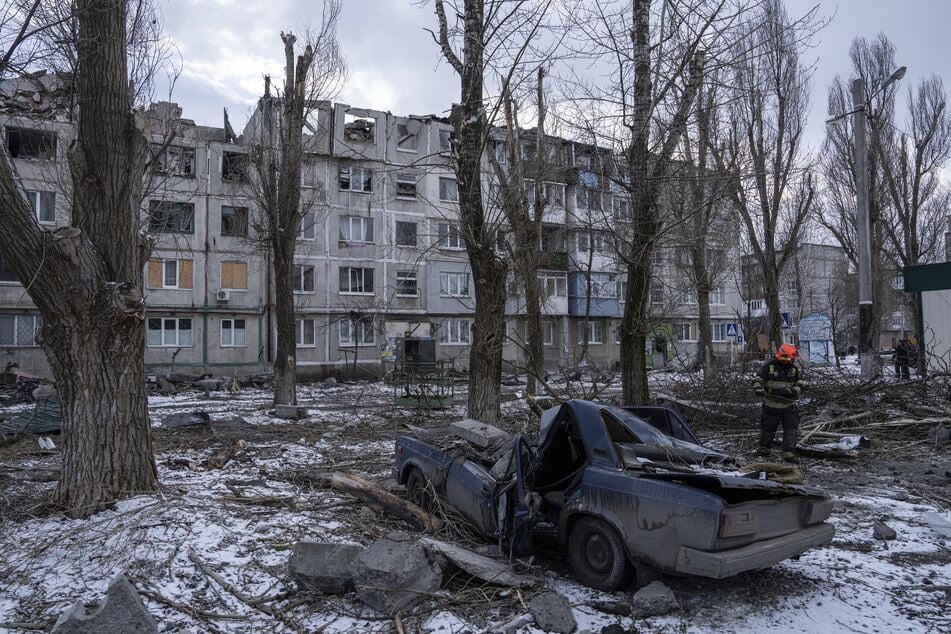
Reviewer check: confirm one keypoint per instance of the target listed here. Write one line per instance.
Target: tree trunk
(706, 331)
(488, 335)
(526, 250)
(86, 279)
(634, 389)
(285, 359)
(774, 317)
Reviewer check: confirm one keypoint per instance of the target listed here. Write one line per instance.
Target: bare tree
(774, 192)
(495, 36)
(277, 154)
(86, 279)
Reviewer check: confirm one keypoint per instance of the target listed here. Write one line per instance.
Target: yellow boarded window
(234, 275)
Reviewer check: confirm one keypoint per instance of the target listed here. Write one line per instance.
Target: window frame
(303, 223)
(446, 336)
(400, 136)
(404, 178)
(363, 280)
(160, 161)
(165, 207)
(446, 282)
(351, 171)
(544, 278)
(299, 339)
(39, 157)
(595, 326)
(239, 171)
(232, 329)
(452, 235)
(548, 332)
(407, 275)
(36, 203)
(236, 214)
(396, 233)
(718, 326)
(455, 186)
(163, 330)
(17, 321)
(679, 329)
(357, 333)
(302, 278)
(365, 225)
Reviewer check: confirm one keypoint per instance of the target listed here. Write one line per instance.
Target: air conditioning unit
(223, 296)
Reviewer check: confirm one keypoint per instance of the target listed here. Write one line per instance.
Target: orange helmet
(786, 353)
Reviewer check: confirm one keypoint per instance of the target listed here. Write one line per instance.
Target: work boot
(789, 456)
(763, 452)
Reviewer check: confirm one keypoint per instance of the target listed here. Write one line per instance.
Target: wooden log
(376, 498)
(224, 456)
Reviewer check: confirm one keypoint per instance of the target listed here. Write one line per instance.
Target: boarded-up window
(234, 275)
(170, 274)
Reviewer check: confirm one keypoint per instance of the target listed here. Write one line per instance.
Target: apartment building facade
(380, 253)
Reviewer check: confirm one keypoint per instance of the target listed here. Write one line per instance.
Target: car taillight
(738, 521)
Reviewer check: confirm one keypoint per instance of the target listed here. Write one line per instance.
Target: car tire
(418, 490)
(597, 555)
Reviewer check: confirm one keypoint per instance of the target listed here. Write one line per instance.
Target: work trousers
(770, 421)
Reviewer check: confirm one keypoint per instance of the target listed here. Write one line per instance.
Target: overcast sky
(228, 45)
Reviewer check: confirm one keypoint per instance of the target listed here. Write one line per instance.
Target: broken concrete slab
(392, 576)
(883, 532)
(121, 612)
(478, 433)
(290, 412)
(654, 599)
(479, 566)
(186, 419)
(552, 612)
(323, 566)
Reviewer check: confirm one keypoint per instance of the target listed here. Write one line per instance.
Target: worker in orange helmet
(779, 383)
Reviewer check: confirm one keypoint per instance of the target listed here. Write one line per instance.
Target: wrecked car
(618, 488)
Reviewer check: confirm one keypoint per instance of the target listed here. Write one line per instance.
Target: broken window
(6, 272)
(407, 136)
(308, 171)
(174, 160)
(18, 330)
(356, 229)
(305, 332)
(24, 143)
(356, 280)
(308, 227)
(445, 140)
(169, 332)
(359, 128)
(355, 179)
(405, 233)
(166, 216)
(233, 333)
(234, 166)
(406, 185)
(44, 206)
(406, 284)
(357, 332)
(304, 276)
(234, 221)
(448, 189)
(455, 332)
(450, 236)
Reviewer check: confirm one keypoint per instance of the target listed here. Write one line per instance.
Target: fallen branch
(376, 498)
(222, 458)
(263, 500)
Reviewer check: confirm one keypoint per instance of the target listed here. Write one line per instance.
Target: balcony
(553, 260)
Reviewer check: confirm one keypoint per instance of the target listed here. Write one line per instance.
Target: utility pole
(864, 237)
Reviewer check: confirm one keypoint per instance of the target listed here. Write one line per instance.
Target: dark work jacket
(781, 382)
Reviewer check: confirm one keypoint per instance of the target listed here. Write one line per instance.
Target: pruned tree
(494, 36)
(86, 278)
(773, 192)
(276, 153)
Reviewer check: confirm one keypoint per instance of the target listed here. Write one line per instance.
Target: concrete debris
(939, 522)
(290, 412)
(552, 613)
(479, 566)
(392, 576)
(121, 612)
(329, 382)
(514, 625)
(231, 428)
(209, 385)
(186, 419)
(655, 599)
(883, 532)
(45, 442)
(323, 566)
(179, 378)
(480, 434)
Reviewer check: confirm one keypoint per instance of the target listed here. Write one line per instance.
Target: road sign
(739, 338)
(785, 321)
(731, 330)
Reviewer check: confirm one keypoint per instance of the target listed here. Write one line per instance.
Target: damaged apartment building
(380, 254)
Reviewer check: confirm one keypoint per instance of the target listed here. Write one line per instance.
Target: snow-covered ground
(240, 522)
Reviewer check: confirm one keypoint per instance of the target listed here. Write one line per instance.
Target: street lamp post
(862, 221)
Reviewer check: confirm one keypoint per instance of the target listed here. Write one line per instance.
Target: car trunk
(755, 509)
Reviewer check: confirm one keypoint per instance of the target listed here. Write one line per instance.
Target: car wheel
(418, 490)
(597, 555)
